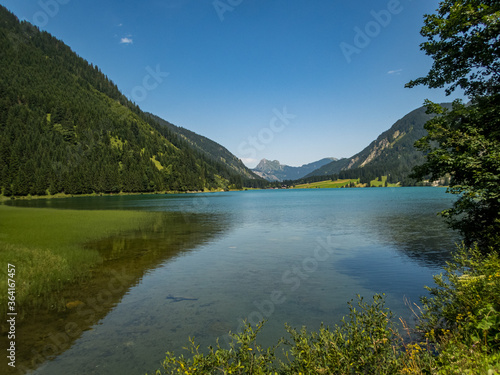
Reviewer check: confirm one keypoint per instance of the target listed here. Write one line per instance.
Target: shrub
(244, 356)
(458, 333)
(365, 342)
(466, 299)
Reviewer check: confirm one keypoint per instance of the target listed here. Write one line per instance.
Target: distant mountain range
(274, 171)
(66, 128)
(392, 154)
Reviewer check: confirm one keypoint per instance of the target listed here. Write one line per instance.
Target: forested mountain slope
(213, 150)
(65, 127)
(392, 154)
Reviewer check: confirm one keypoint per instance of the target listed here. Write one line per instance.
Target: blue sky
(291, 80)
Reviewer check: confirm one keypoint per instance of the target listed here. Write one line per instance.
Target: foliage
(458, 333)
(244, 356)
(207, 147)
(65, 127)
(466, 299)
(392, 154)
(460, 320)
(461, 317)
(465, 144)
(462, 39)
(364, 343)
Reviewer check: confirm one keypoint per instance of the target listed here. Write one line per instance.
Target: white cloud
(397, 72)
(126, 40)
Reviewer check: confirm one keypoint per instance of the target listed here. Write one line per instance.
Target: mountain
(274, 171)
(66, 128)
(209, 148)
(392, 154)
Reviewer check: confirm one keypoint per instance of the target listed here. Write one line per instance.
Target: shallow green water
(295, 256)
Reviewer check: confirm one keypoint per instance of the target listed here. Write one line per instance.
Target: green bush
(244, 356)
(458, 333)
(461, 318)
(365, 342)
(466, 299)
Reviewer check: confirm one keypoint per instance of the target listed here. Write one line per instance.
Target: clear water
(295, 256)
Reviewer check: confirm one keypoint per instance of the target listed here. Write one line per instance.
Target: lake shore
(63, 195)
(37, 240)
(73, 266)
(221, 251)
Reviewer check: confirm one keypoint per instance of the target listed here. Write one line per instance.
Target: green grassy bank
(326, 184)
(46, 246)
(329, 184)
(382, 182)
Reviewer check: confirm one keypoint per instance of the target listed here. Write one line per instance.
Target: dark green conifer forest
(66, 128)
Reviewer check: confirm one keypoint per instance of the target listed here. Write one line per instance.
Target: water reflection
(409, 243)
(429, 249)
(414, 228)
(166, 235)
(127, 257)
(149, 202)
(247, 245)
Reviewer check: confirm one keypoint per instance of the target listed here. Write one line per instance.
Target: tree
(464, 142)
(463, 40)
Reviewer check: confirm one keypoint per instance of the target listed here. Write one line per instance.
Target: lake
(295, 256)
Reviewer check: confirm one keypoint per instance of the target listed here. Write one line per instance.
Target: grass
(381, 182)
(326, 184)
(47, 248)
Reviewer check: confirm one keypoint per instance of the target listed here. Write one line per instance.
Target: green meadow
(326, 184)
(382, 182)
(47, 248)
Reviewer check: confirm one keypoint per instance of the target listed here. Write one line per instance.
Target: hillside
(209, 148)
(275, 171)
(66, 128)
(392, 154)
